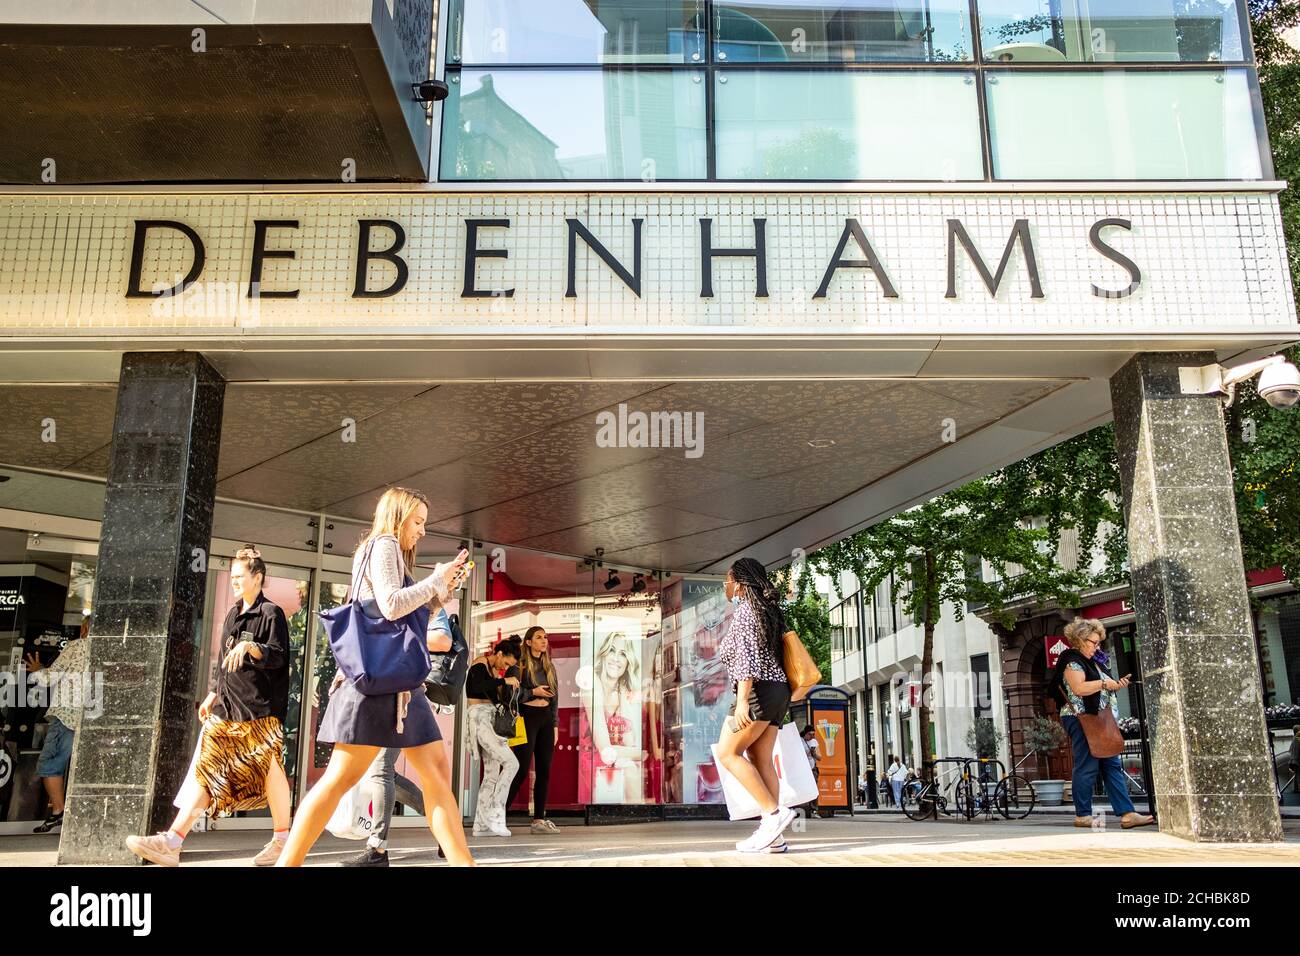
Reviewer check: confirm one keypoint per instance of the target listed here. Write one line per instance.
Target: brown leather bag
(800, 668)
(1103, 733)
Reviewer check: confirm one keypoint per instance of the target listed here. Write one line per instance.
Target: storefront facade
(667, 284)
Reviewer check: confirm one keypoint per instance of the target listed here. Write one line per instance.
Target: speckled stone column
(1213, 778)
(129, 760)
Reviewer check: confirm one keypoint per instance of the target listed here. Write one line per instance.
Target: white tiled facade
(1209, 261)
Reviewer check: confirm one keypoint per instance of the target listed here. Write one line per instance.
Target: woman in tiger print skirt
(240, 761)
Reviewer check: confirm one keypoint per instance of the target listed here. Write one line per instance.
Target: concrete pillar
(129, 760)
(1210, 758)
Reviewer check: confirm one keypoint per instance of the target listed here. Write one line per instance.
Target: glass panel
(523, 589)
(291, 594)
(844, 32)
(577, 31)
(1110, 31)
(622, 716)
(332, 593)
(1123, 125)
(520, 125)
(697, 695)
(813, 125)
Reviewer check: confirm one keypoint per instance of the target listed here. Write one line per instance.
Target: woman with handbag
(491, 708)
(1087, 697)
(752, 650)
(240, 760)
(539, 705)
(360, 724)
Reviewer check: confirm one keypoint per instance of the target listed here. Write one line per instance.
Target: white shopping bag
(189, 791)
(790, 758)
(353, 818)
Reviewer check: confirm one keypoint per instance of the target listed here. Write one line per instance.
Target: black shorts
(768, 700)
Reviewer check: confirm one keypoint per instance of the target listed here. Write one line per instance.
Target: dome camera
(430, 91)
(1279, 385)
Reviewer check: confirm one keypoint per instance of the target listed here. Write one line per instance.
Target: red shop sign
(1056, 646)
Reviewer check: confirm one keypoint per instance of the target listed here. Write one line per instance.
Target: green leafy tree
(809, 616)
(1012, 520)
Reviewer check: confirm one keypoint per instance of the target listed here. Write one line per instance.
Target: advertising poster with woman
(612, 756)
(695, 686)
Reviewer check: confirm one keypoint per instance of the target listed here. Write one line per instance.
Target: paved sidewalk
(879, 840)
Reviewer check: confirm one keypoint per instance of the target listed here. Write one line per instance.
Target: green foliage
(1044, 735)
(809, 616)
(984, 739)
(1012, 519)
(1265, 448)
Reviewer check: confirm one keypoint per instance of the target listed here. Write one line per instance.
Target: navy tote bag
(376, 655)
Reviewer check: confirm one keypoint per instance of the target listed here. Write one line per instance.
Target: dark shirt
(526, 687)
(482, 684)
(259, 688)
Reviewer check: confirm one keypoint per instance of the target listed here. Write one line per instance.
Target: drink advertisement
(833, 770)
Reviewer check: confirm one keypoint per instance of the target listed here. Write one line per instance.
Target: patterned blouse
(745, 652)
(1074, 703)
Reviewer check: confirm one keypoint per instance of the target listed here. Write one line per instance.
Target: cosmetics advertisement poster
(833, 771)
(611, 736)
(706, 698)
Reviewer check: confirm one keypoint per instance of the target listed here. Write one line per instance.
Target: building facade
(657, 285)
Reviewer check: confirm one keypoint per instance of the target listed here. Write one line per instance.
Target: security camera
(430, 91)
(1279, 385)
(1279, 380)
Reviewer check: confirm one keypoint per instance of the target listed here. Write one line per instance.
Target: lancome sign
(373, 264)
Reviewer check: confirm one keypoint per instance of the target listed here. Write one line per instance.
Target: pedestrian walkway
(879, 840)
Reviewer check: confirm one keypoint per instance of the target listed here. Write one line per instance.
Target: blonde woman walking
(359, 725)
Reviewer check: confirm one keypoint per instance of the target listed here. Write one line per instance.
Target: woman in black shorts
(751, 650)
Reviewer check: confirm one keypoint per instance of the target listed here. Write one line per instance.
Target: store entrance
(642, 692)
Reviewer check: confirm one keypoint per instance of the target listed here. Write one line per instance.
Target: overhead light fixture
(821, 442)
(638, 583)
(613, 580)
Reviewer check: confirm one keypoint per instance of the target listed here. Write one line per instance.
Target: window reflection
(848, 31)
(1047, 31)
(520, 125)
(806, 124)
(577, 31)
(1123, 125)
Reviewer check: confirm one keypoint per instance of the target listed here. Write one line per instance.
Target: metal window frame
(712, 68)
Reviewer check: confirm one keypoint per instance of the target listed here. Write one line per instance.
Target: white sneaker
(500, 829)
(780, 846)
(769, 831)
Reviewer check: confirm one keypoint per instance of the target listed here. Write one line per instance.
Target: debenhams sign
(432, 264)
(385, 241)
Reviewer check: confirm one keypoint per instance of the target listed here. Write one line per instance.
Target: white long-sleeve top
(385, 580)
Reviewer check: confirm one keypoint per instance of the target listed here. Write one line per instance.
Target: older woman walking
(1083, 687)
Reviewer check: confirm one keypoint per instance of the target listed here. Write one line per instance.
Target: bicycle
(1010, 795)
(920, 803)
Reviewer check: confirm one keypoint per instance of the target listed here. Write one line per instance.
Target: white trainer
(769, 831)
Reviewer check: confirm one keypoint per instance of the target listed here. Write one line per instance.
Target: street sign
(1056, 646)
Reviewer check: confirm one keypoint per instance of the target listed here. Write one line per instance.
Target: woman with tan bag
(752, 650)
(1087, 697)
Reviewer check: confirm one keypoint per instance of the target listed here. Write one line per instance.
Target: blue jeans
(1086, 768)
(56, 754)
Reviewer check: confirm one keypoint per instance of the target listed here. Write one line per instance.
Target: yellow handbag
(521, 734)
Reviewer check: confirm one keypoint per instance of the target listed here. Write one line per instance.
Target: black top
(259, 688)
(526, 685)
(482, 684)
(1091, 703)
